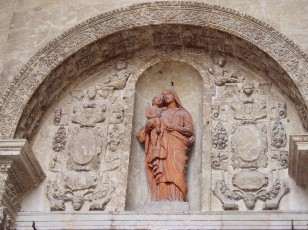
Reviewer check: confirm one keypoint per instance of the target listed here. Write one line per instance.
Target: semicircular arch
(287, 56)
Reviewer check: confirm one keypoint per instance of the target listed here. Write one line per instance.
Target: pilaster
(298, 159)
(19, 171)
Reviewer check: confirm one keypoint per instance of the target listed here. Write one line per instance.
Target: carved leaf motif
(220, 137)
(219, 161)
(115, 138)
(59, 140)
(226, 196)
(101, 197)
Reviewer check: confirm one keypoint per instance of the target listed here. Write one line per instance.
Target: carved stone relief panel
(87, 144)
(249, 155)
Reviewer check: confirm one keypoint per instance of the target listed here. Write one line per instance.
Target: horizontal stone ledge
(20, 153)
(123, 216)
(133, 220)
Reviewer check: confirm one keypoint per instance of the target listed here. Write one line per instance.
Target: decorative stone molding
(298, 159)
(19, 171)
(290, 61)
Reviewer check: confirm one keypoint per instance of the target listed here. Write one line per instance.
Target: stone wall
(82, 100)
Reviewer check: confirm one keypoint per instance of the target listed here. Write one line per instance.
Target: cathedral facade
(85, 142)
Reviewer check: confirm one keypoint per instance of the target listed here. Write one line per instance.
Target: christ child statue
(154, 111)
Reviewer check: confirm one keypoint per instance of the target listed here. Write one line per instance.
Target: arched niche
(189, 84)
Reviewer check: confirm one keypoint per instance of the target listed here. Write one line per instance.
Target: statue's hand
(173, 127)
(149, 125)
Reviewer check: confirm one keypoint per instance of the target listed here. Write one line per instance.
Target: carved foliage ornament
(59, 140)
(271, 197)
(220, 137)
(279, 136)
(72, 189)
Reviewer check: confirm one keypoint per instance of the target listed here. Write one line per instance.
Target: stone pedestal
(298, 159)
(19, 171)
(164, 206)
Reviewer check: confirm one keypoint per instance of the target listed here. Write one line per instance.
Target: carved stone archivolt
(20, 94)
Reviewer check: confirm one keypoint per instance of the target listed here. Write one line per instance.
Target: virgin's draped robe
(166, 161)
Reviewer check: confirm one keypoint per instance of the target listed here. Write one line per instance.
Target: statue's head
(250, 200)
(57, 117)
(248, 88)
(168, 95)
(158, 100)
(221, 61)
(91, 92)
(77, 202)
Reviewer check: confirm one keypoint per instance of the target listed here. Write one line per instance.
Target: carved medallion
(84, 146)
(84, 149)
(249, 145)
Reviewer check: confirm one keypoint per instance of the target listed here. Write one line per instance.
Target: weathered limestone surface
(82, 99)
